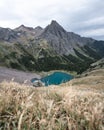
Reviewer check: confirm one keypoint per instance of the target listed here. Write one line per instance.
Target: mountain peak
(38, 28)
(55, 28)
(24, 28)
(54, 22)
(22, 25)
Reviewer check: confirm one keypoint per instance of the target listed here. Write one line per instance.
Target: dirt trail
(16, 75)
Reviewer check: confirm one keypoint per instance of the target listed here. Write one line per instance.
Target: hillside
(78, 105)
(98, 64)
(93, 79)
(51, 48)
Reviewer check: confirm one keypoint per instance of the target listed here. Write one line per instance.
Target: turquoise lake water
(56, 78)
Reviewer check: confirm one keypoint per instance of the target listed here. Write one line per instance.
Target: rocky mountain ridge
(46, 49)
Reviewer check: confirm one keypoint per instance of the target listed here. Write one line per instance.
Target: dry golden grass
(94, 80)
(54, 108)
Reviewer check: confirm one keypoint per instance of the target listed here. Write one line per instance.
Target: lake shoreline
(55, 78)
(9, 74)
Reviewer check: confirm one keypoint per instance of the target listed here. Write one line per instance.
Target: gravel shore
(16, 75)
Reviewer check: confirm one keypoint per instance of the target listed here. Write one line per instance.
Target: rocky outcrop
(8, 35)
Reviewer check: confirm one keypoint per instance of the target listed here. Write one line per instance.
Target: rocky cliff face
(49, 48)
(28, 31)
(7, 34)
(63, 42)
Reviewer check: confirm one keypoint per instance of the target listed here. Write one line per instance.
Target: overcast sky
(85, 17)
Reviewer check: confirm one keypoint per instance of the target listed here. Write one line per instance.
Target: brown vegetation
(54, 108)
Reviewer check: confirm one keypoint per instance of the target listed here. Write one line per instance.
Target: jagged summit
(23, 28)
(22, 25)
(38, 28)
(54, 22)
(55, 28)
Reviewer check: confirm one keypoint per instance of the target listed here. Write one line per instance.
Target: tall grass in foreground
(55, 108)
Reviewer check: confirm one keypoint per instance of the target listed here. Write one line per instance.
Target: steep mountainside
(47, 49)
(62, 41)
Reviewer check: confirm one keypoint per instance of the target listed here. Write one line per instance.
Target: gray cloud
(84, 17)
(89, 17)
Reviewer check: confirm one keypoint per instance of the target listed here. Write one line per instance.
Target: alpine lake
(55, 78)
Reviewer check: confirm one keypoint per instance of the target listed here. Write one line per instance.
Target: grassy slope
(94, 77)
(76, 105)
(17, 57)
(41, 57)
